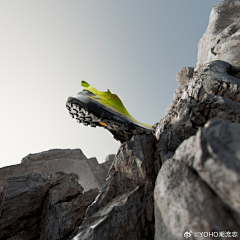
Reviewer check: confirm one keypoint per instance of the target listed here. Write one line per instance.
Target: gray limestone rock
(218, 79)
(99, 170)
(221, 41)
(213, 93)
(199, 188)
(64, 206)
(1, 196)
(217, 72)
(184, 202)
(54, 154)
(91, 173)
(110, 157)
(214, 153)
(217, 107)
(184, 76)
(124, 207)
(198, 185)
(167, 144)
(21, 206)
(37, 208)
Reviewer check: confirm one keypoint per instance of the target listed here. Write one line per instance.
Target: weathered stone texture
(184, 75)
(195, 158)
(91, 173)
(215, 154)
(54, 154)
(110, 157)
(212, 93)
(198, 187)
(184, 202)
(37, 208)
(167, 144)
(221, 41)
(124, 207)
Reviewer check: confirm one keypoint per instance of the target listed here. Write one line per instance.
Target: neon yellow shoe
(105, 109)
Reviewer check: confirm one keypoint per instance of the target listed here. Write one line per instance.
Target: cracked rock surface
(91, 173)
(211, 90)
(221, 41)
(37, 208)
(216, 159)
(124, 207)
(212, 93)
(198, 188)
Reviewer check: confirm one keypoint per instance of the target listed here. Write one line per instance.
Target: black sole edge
(121, 129)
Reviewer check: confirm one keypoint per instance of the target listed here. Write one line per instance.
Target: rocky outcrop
(37, 208)
(91, 173)
(216, 159)
(193, 184)
(198, 189)
(54, 154)
(221, 41)
(211, 94)
(124, 207)
(183, 180)
(38, 203)
(212, 89)
(110, 157)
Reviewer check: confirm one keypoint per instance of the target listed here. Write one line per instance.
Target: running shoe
(104, 109)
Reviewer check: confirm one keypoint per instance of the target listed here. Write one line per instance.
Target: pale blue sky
(134, 48)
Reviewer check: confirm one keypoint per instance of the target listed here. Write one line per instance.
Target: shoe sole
(90, 113)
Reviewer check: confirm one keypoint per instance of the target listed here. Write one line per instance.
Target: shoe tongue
(84, 84)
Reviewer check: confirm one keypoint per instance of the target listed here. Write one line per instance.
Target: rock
(217, 107)
(184, 202)
(54, 154)
(217, 72)
(198, 165)
(38, 208)
(211, 94)
(91, 173)
(167, 144)
(221, 41)
(198, 186)
(1, 197)
(136, 157)
(214, 154)
(21, 206)
(184, 75)
(110, 157)
(218, 79)
(99, 170)
(64, 207)
(124, 207)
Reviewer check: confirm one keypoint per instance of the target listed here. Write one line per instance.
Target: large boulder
(37, 208)
(184, 202)
(199, 188)
(214, 153)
